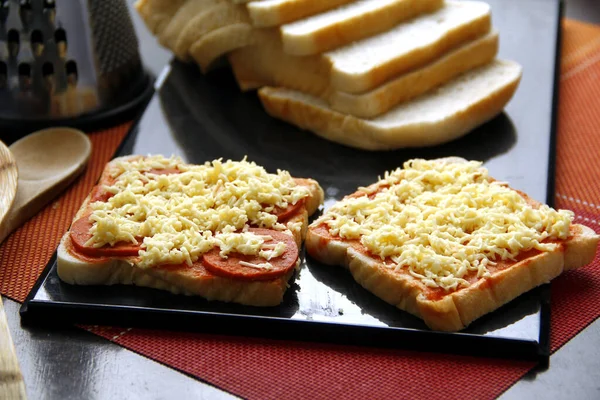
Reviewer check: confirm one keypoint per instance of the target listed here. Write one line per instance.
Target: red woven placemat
(256, 368)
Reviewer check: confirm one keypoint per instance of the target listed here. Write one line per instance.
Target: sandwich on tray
(225, 231)
(447, 243)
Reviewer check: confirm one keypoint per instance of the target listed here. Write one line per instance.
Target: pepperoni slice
(80, 235)
(230, 267)
(285, 213)
(99, 194)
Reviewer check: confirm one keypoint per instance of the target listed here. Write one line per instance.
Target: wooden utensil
(32, 172)
(48, 161)
(11, 380)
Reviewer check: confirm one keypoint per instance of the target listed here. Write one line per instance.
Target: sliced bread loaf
(266, 64)
(366, 64)
(348, 23)
(185, 13)
(440, 116)
(410, 85)
(219, 42)
(212, 17)
(308, 75)
(156, 14)
(268, 13)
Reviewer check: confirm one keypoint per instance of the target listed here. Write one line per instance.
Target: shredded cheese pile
(442, 221)
(183, 215)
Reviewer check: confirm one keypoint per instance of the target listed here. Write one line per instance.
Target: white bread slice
(308, 74)
(408, 86)
(266, 64)
(267, 13)
(457, 310)
(206, 50)
(369, 63)
(185, 13)
(348, 23)
(74, 270)
(440, 116)
(156, 14)
(366, 64)
(211, 18)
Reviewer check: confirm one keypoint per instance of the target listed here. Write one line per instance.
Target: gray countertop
(94, 368)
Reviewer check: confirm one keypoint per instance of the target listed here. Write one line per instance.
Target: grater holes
(26, 12)
(60, 37)
(14, 42)
(47, 69)
(37, 42)
(71, 71)
(24, 70)
(3, 75)
(49, 10)
(4, 10)
(48, 75)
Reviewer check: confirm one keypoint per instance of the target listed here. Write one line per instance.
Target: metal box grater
(67, 62)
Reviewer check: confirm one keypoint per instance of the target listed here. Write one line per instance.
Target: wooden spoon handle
(12, 385)
(8, 180)
(11, 380)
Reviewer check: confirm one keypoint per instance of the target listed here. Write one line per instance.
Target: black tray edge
(47, 314)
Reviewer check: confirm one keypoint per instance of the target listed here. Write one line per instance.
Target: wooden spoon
(41, 166)
(11, 380)
(48, 162)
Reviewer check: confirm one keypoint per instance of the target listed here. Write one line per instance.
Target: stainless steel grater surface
(67, 60)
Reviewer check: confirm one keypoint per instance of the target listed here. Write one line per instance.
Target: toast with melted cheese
(165, 271)
(445, 242)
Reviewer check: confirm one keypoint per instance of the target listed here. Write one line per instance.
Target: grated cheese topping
(183, 215)
(441, 221)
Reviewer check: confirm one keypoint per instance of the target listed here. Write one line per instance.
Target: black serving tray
(201, 118)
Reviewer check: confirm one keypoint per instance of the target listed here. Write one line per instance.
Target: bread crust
(456, 310)
(219, 42)
(414, 83)
(157, 14)
(343, 32)
(210, 19)
(76, 270)
(367, 135)
(289, 11)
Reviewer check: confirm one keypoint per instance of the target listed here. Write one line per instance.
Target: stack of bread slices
(371, 74)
